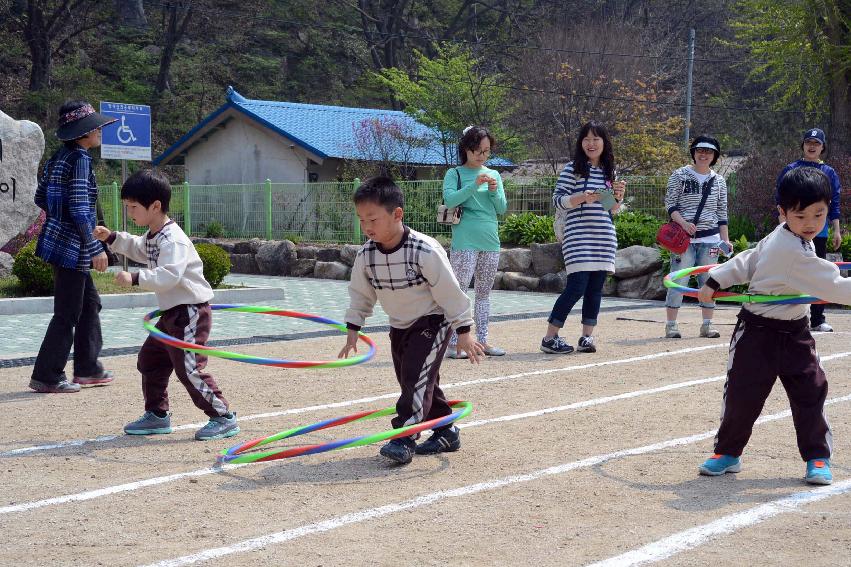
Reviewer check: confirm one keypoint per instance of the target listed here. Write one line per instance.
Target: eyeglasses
(481, 153)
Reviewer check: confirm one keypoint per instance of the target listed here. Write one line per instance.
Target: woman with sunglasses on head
(475, 240)
(588, 192)
(696, 199)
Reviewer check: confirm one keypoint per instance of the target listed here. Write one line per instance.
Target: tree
(387, 146)
(176, 17)
(450, 93)
(48, 28)
(801, 48)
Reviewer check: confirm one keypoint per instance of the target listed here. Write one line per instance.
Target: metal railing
(323, 212)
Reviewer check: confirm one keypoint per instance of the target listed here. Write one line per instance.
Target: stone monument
(21, 149)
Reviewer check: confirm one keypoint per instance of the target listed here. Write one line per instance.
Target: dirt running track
(566, 460)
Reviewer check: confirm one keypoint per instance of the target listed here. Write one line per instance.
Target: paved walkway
(22, 334)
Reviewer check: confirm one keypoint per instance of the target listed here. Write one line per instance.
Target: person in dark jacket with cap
(68, 192)
(696, 199)
(814, 148)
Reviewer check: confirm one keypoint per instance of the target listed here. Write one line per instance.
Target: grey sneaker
(823, 328)
(149, 424)
(672, 331)
(555, 345)
(708, 331)
(102, 378)
(586, 344)
(218, 428)
(61, 387)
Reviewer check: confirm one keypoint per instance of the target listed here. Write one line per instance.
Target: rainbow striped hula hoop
(237, 454)
(211, 351)
(739, 297)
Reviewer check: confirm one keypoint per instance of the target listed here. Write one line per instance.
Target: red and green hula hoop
(211, 351)
(238, 453)
(670, 282)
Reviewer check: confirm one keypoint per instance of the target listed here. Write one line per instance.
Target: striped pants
(190, 323)
(417, 353)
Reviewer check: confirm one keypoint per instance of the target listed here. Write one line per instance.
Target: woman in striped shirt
(585, 189)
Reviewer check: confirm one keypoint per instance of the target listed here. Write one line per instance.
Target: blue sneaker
(555, 345)
(719, 464)
(149, 424)
(218, 428)
(818, 472)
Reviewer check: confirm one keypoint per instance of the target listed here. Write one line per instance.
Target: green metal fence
(323, 212)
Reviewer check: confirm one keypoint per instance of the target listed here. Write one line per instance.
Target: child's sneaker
(61, 387)
(719, 464)
(219, 427)
(708, 331)
(149, 424)
(823, 328)
(443, 441)
(818, 472)
(555, 345)
(672, 331)
(400, 450)
(102, 378)
(586, 344)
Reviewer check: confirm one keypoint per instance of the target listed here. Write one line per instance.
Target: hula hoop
(669, 282)
(236, 454)
(279, 363)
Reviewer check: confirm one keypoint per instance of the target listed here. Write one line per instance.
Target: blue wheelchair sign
(130, 137)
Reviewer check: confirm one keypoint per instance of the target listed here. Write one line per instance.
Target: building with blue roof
(249, 141)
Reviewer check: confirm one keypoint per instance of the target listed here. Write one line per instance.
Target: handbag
(450, 215)
(674, 238)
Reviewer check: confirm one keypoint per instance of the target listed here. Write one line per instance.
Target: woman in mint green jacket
(475, 240)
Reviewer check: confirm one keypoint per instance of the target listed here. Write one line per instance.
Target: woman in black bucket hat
(68, 193)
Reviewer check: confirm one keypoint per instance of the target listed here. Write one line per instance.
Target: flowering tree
(387, 145)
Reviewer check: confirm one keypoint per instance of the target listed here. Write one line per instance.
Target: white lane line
(136, 485)
(428, 499)
(392, 395)
(699, 535)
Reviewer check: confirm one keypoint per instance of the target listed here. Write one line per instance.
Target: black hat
(79, 121)
(706, 142)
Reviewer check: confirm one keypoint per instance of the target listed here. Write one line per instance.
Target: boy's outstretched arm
(474, 349)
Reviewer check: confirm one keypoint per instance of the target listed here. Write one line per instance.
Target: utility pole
(688, 84)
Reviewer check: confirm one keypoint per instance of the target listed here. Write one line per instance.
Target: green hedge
(35, 275)
(216, 263)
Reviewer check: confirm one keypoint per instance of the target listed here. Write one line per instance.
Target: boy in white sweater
(174, 272)
(409, 273)
(772, 340)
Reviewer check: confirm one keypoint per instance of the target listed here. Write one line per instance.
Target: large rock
(635, 261)
(303, 267)
(6, 262)
(349, 253)
(648, 286)
(328, 254)
(553, 283)
(276, 257)
(21, 149)
(331, 270)
(306, 252)
(249, 247)
(226, 246)
(515, 281)
(243, 264)
(546, 258)
(514, 260)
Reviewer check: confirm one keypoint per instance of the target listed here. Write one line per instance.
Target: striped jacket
(684, 195)
(68, 193)
(590, 241)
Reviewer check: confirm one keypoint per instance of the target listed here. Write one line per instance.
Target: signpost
(127, 139)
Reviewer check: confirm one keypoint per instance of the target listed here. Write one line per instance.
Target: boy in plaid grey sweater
(409, 273)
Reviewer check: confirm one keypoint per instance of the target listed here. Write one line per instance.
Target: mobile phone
(725, 249)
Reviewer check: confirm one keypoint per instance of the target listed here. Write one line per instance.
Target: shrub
(754, 196)
(636, 229)
(527, 228)
(215, 229)
(35, 275)
(741, 226)
(216, 263)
